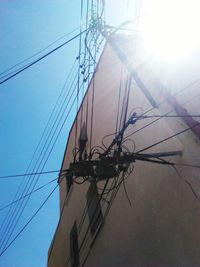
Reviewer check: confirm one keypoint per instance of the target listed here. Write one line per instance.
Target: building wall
(160, 227)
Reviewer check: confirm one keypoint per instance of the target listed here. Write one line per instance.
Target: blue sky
(26, 102)
(25, 105)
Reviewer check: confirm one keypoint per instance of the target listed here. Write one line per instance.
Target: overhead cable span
(42, 57)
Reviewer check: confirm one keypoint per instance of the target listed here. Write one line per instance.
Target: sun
(170, 28)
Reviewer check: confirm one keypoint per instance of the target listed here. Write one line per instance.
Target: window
(69, 181)
(83, 139)
(74, 254)
(94, 208)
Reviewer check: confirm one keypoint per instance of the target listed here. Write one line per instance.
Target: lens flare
(170, 28)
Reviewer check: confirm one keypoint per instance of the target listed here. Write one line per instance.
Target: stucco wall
(161, 227)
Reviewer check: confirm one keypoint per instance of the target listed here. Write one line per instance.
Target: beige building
(149, 213)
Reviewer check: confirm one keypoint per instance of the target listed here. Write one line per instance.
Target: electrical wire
(86, 231)
(28, 222)
(86, 236)
(92, 218)
(168, 116)
(8, 245)
(183, 179)
(27, 174)
(78, 75)
(83, 241)
(32, 173)
(87, 103)
(117, 130)
(139, 151)
(42, 57)
(169, 137)
(98, 152)
(45, 130)
(118, 104)
(37, 53)
(54, 114)
(34, 184)
(162, 102)
(115, 191)
(187, 183)
(178, 133)
(37, 189)
(21, 186)
(92, 105)
(87, 97)
(186, 165)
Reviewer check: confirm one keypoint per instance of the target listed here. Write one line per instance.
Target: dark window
(69, 181)
(83, 139)
(74, 254)
(94, 208)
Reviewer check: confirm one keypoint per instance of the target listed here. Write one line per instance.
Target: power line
(174, 164)
(168, 116)
(70, 109)
(12, 224)
(37, 189)
(125, 104)
(30, 184)
(187, 183)
(186, 165)
(57, 118)
(14, 238)
(29, 221)
(40, 142)
(169, 137)
(42, 57)
(46, 150)
(64, 121)
(37, 53)
(27, 174)
(51, 140)
(25, 186)
(89, 55)
(27, 66)
(162, 102)
(104, 189)
(66, 170)
(32, 173)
